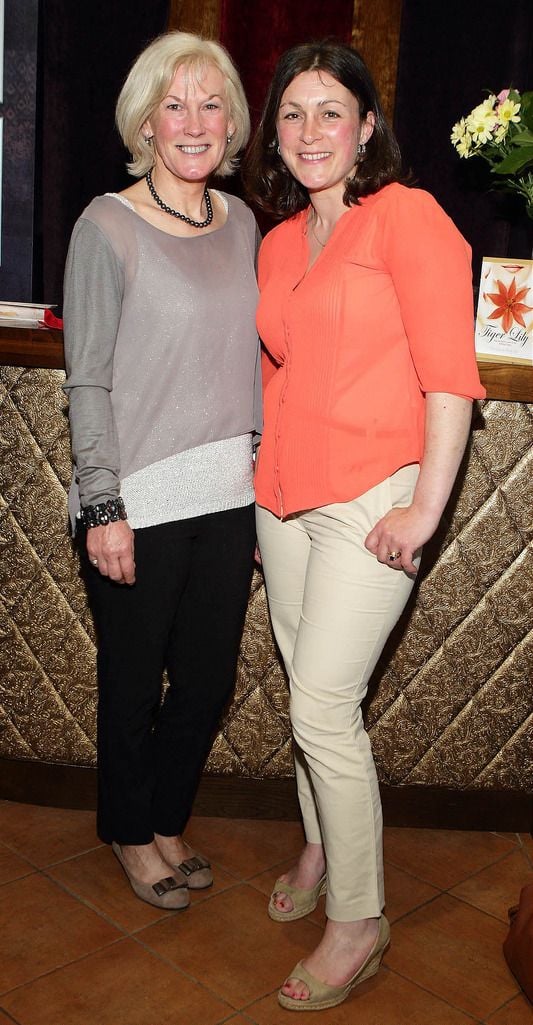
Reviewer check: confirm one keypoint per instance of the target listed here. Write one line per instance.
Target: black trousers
(185, 614)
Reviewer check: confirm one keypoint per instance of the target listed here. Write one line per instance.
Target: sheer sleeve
(92, 308)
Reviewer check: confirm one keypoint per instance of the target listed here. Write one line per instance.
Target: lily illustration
(509, 304)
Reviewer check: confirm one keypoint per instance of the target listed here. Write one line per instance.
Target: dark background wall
(17, 108)
(449, 51)
(86, 50)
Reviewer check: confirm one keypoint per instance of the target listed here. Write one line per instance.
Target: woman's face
(319, 130)
(190, 126)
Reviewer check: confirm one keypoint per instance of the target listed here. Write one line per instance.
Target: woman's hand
(401, 533)
(110, 551)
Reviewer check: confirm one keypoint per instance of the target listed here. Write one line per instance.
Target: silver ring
(393, 556)
(94, 562)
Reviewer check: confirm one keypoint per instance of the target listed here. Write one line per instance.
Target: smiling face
(190, 126)
(319, 129)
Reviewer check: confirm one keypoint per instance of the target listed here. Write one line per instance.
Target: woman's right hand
(110, 551)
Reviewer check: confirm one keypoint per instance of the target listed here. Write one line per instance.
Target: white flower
(481, 122)
(507, 112)
(501, 131)
(464, 146)
(458, 131)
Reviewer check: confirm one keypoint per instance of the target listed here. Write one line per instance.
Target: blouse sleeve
(429, 262)
(91, 315)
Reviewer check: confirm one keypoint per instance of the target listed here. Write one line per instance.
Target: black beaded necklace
(175, 213)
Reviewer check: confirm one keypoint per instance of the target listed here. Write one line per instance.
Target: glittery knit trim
(126, 202)
(206, 479)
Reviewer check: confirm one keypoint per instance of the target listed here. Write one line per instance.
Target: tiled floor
(77, 948)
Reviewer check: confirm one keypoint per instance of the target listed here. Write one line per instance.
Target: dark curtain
(86, 50)
(257, 33)
(449, 53)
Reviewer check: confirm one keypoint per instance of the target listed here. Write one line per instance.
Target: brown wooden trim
(507, 381)
(31, 347)
(191, 16)
(376, 34)
(72, 786)
(43, 347)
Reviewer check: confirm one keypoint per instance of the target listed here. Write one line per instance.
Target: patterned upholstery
(451, 701)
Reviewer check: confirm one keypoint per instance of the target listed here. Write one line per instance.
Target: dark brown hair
(269, 183)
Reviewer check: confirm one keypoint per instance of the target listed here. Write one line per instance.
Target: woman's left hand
(399, 535)
(397, 538)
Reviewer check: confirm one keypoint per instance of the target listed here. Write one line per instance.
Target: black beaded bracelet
(103, 513)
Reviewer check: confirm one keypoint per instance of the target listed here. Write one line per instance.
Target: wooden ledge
(31, 347)
(72, 786)
(508, 381)
(43, 347)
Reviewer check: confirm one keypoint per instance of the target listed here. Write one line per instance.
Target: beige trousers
(333, 606)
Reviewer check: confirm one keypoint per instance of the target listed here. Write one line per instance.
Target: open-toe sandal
(167, 893)
(303, 901)
(321, 995)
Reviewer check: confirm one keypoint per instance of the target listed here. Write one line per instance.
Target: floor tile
(527, 843)
(386, 999)
(42, 928)
(123, 985)
(12, 866)
(237, 1019)
(403, 892)
(442, 857)
(97, 877)
(497, 888)
(518, 1011)
(244, 847)
(45, 835)
(230, 944)
(454, 951)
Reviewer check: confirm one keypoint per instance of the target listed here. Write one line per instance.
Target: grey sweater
(162, 362)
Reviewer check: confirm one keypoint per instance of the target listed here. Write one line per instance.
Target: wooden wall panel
(203, 17)
(376, 34)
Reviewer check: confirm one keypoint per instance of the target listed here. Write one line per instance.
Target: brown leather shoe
(167, 893)
(197, 871)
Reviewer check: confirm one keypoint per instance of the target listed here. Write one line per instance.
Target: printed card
(504, 322)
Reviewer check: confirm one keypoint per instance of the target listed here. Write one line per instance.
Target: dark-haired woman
(369, 372)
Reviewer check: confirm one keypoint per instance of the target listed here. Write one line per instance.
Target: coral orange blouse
(383, 316)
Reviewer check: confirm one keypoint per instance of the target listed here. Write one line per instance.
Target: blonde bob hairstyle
(148, 83)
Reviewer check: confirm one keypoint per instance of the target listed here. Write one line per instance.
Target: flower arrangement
(500, 130)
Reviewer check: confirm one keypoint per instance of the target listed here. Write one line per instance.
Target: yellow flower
(507, 112)
(458, 131)
(482, 121)
(501, 132)
(464, 146)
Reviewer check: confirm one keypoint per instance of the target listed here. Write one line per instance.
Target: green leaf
(516, 161)
(526, 109)
(523, 138)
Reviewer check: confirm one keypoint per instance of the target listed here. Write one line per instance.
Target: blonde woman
(161, 352)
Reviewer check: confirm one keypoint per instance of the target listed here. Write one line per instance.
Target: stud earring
(361, 149)
(228, 139)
